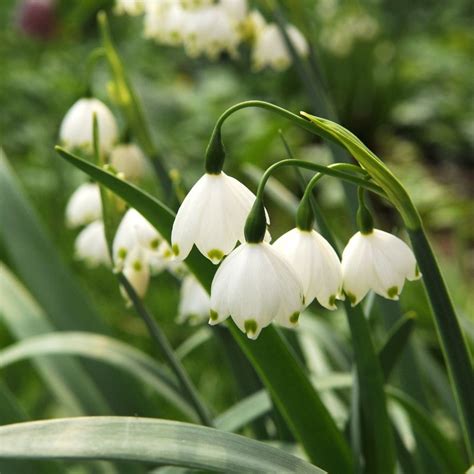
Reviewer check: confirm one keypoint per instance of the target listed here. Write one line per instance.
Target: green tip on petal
(175, 249)
(137, 265)
(155, 243)
(122, 253)
(392, 292)
(417, 272)
(351, 297)
(294, 317)
(215, 255)
(332, 300)
(213, 315)
(250, 327)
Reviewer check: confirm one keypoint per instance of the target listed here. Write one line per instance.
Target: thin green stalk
(331, 170)
(163, 344)
(132, 107)
(453, 344)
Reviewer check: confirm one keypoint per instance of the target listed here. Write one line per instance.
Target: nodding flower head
(315, 262)
(212, 216)
(255, 285)
(90, 245)
(84, 205)
(77, 126)
(377, 261)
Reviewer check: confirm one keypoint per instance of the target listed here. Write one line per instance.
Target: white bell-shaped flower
(376, 261)
(270, 47)
(256, 285)
(194, 302)
(84, 205)
(134, 230)
(90, 245)
(128, 158)
(136, 270)
(76, 128)
(212, 216)
(315, 262)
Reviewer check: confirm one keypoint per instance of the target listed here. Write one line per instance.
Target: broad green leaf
(64, 377)
(271, 356)
(440, 447)
(147, 440)
(396, 341)
(37, 264)
(102, 349)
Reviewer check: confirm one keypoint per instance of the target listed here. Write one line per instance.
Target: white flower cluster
(259, 283)
(207, 27)
(138, 249)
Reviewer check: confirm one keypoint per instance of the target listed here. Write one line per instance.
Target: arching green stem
(365, 221)
(91, 63)
(331, 170)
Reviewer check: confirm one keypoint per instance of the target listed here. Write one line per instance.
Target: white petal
(137, 272)
(357, 268)
(128, 159)
(84, 205)
(91, 246)
(194, 301)
(76, 127)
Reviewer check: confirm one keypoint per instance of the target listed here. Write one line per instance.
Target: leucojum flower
(212, 217)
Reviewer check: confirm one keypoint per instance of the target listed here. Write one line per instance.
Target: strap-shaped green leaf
(271, 356)
(147, 440)
(102, 349)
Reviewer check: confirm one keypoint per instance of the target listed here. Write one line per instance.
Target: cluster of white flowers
(259, 283)
(207, 27)
(138, 249)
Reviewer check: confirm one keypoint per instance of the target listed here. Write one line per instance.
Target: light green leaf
(102, 349)
(440, 447)
(271, 356)
(64, 377)
(147, 440)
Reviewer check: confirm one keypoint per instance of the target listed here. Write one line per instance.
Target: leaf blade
(148, 440)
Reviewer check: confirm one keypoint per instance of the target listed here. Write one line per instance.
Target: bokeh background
(396, 73)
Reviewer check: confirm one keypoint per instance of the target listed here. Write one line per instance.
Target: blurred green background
(398, 74)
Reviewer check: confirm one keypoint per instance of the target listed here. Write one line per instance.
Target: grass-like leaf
(147, 440)
(102, 349)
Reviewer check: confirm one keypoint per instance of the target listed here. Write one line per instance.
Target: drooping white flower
(84, 205)
(315, 262)
(378, 261)
(76, 127)
(134, 230)
(256, 285)
(212, 216)
(137, 272)
(270, 48)
(90, 245)
(128, 159)
(194, 302)
(130, 7)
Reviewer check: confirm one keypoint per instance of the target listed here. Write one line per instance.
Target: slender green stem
(328, 170)
(91, 62)
(163, 344)
(453, 344)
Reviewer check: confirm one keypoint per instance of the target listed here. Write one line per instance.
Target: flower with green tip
(136, 270)
(194, 302)
(77, 126)
(212, 217)
(256, 285)
(128, 158)
(377, 261)
(315, 262)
